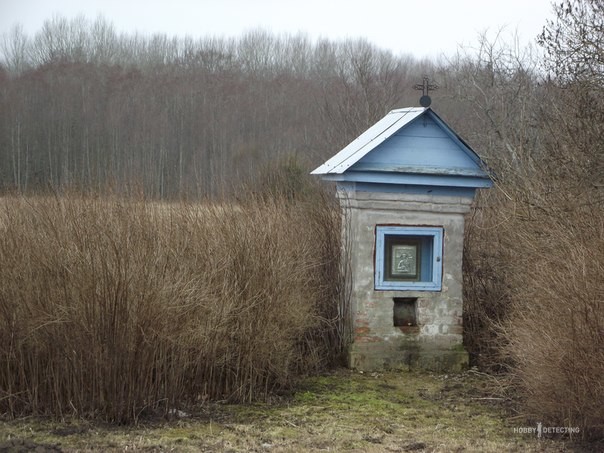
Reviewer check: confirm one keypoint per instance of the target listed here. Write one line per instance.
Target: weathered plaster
(436, 342)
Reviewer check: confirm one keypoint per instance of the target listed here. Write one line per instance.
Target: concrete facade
(435, 341)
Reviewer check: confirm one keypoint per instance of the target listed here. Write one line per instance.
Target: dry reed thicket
(114, 308)
(555, 334)
(535, 305)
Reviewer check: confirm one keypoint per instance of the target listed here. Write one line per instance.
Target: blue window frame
(408, 258)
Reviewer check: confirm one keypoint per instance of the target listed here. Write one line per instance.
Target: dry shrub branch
(535, 304)
(114, 308)
(555, 334)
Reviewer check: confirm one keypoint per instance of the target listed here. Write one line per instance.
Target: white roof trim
(369, 140)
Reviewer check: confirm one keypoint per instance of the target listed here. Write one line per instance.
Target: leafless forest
(86, 109)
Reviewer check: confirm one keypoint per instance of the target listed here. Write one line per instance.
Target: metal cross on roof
(425, 87)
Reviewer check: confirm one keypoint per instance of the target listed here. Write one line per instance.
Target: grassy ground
(342, 411)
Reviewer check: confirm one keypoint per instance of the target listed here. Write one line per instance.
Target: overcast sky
(418, 27)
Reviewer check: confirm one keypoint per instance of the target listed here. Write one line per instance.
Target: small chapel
(404, 186)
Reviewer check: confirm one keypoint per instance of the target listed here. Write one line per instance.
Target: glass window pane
(404, 260)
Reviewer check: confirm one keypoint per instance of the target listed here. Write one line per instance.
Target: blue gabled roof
(369, 140)
(408, 146)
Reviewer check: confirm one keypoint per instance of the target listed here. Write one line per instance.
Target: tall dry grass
(114, 308)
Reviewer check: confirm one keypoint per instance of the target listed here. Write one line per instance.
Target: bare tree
(15, 47)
